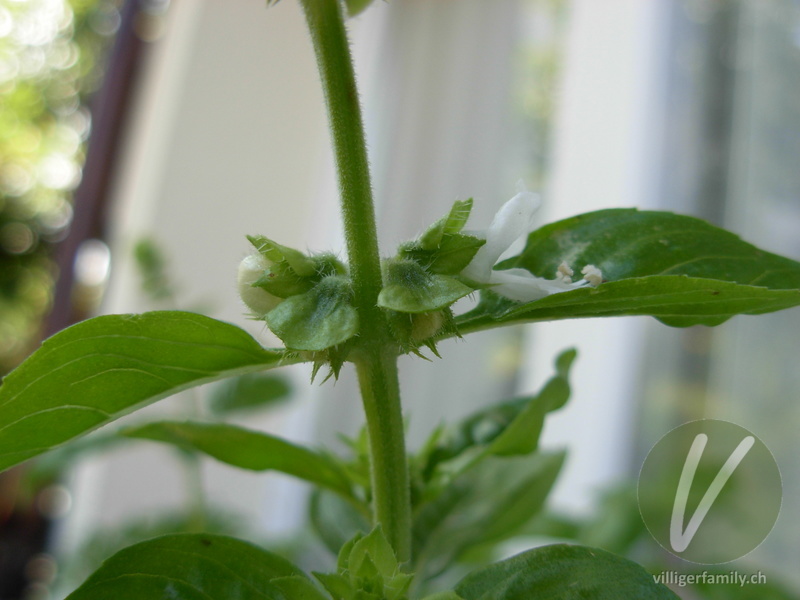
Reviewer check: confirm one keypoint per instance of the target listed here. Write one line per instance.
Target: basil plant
(397, 522)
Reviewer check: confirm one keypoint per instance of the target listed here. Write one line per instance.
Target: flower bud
(426, 325)
(251, 269)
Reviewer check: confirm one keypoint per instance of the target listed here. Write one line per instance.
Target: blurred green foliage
(50, 63)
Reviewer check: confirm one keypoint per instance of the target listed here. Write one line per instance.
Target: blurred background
(206, 123)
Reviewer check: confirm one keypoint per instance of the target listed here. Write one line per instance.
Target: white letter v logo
(678, 538)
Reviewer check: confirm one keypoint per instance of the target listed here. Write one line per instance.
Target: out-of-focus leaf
(253, 450)
(190, 567)
(100, 369)
(508, 429)
(299, 587)
(563, 572)
(468, 490)
(375, 546)
(617, 525)
(251, 391)
(522, 434)
(335, 520)
(757, 587)
(153, 269)
(506, 514)
(485, 506)
(106, 541)
(52, 465)
(355, 7)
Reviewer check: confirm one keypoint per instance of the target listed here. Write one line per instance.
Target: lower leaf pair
(203, 567)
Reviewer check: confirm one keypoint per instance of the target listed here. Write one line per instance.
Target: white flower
(251, 269)
(513, 220)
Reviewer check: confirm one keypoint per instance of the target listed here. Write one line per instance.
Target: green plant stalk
(326, 24)
(376, 360)
(380, 392)
(195, 493)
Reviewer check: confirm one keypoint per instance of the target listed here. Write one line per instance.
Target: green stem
(377, 378)
(376, 360)
(347, 130)
(195, 493)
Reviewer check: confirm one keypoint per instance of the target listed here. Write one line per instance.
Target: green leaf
(152, 267)
(508, 512)
(318, 319)
(411, 289)
(191, 567)
(451, 224)
(674, 300)
(563, 572)
(367, 568)
(343, 558)
(100, 369)
(522, 434)
(355, 7)
(299, 262)
(54, 464)
(507, 429)
(468, 487)
(626, 243)
(334, 520)
(679, 269)
(337, 585)
(449, 595)
(253, 450)
(483, 507)
(454, 253)
(250, 391)
(280, 280)
(617, 523)
(298, 587)
(443, 249)
(377, 548)
(430, 517)
(458, 217)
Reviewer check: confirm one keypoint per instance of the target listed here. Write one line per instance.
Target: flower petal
(513, 220)
(521, 286)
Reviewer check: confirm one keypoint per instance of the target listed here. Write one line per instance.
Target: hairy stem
(347, 130)
(376, 360)
(377, 377)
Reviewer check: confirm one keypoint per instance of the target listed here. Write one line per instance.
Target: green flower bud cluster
(423, 280)
(307, 301)
(367, 569)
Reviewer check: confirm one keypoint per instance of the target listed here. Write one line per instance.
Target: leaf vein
(150, 576)
(120, 369)
(219, 564)
(53, 409)
(702, 258)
